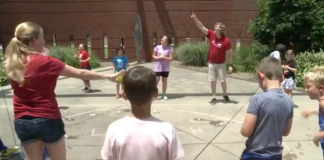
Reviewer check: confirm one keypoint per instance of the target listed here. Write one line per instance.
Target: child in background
(120, 62)
(314, 82)
(269, 115)
(280, 50)
(6, 152)
(84, 59)
(140, 136)
(289, 67)
(163, 56)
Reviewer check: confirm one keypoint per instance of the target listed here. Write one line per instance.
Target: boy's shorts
(217, 71)
(86, 67)
(248, 156)
(119, 78)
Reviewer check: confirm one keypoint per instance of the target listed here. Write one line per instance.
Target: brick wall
(117, 17)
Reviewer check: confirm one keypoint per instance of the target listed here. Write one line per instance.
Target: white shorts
(217, 71)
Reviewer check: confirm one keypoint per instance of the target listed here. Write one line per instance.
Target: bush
(192, 53)
(244, 60)
(299, 21)
(305, 62)
(3, 76)
(66, 55)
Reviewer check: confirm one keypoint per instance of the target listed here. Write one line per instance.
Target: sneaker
(9, 152)
(213, 101)
(226, 98)
(164, 98)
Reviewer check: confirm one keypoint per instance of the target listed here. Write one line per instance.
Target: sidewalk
(207, 132)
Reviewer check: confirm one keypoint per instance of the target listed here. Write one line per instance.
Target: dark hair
(120, 48)
(139, 85)
(281, 48)
(169, 39)
(271, 68)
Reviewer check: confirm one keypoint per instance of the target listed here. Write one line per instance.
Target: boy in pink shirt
(140, 136)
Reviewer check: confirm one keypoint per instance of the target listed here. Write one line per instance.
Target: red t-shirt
(36, 97)
(217, 48)
(83, 55)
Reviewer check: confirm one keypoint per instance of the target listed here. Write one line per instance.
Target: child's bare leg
(87, 87)
(117, 89)
(122, 86)
(157, 80)
(288, 92)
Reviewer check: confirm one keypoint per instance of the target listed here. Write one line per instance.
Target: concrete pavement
(207, 132)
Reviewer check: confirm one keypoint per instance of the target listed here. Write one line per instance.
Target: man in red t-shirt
(219, 47)
(84, 59)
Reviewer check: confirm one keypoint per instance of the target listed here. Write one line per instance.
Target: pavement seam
(210, 142)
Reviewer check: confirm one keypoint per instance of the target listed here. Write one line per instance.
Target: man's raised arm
(199, 24)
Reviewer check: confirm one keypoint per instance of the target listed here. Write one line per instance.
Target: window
(105, 43)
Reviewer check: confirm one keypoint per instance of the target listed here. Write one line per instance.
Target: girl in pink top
(140, 136)
(163, 56)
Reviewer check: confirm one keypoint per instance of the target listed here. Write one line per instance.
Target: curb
(103, 69)
(192, 68)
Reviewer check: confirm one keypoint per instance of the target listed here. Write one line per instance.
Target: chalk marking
(92, 132)
(195, 130)
(289, 150)
(88, 112)
(192, 131)
(96, 135)
(227, 119)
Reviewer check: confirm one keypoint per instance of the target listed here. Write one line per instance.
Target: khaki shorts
(217, 71)
(119, 78)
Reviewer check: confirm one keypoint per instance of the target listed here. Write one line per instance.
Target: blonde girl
(33, 76)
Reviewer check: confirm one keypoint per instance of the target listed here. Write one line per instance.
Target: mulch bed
(237, 75)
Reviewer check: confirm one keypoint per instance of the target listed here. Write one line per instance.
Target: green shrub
(259, 50)
(3, 76)
(305, 62)
(244, 60)
(192, 53)
(66, 55)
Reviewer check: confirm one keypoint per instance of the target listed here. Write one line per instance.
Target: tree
(283, 21)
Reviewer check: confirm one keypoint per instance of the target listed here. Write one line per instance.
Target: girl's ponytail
(14, 61)
(18, 49)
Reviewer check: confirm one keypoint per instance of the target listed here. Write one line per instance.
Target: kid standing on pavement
(269, 115)
(140, 136)
(163, 56)
(120, 62)
(314, 82)
(84, 59)
(290, 68)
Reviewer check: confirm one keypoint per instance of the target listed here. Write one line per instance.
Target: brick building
(117, 17)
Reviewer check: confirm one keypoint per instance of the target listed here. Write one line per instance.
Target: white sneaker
(164, 98)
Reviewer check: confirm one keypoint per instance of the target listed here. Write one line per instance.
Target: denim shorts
(30, 129)
(86, 67)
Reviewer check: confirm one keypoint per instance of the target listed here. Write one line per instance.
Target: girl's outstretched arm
(84, 74)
